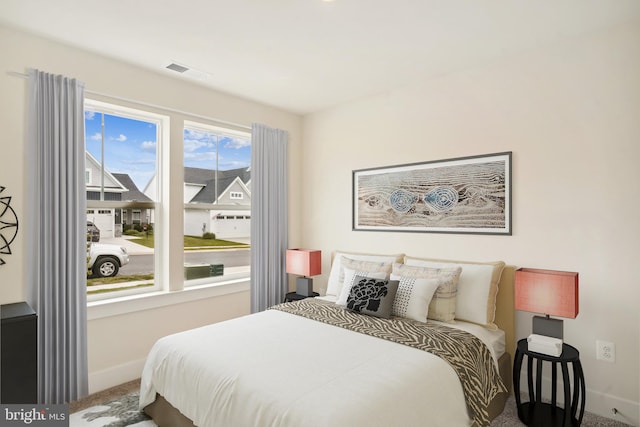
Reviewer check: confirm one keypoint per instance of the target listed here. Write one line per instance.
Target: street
(143, 264)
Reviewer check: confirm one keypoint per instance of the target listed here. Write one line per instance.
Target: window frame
(162, 127)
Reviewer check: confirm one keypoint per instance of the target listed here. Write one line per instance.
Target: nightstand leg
(539, 381)
(554, 382)
(567, 394)
(532, 395)
(578, 388)
(517, 368)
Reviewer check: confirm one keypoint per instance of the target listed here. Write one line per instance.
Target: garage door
(103, 219)
(230, 224)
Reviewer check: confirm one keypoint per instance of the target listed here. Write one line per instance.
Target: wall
(118, 344)
(569, 113)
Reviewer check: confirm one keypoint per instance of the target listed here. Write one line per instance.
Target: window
(134, 203)
(217, 175)
(87, 176)
(121, 160)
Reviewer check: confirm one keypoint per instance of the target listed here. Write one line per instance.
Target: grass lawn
(125, 280)
(118, 279)
(193, 242)
(101, 291)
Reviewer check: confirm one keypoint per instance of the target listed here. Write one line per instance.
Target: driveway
(128, 242)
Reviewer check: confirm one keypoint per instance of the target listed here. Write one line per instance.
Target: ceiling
(307, 55)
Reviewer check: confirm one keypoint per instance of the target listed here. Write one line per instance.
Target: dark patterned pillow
(372, 296)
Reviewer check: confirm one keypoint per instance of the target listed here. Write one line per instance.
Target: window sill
(133, 303)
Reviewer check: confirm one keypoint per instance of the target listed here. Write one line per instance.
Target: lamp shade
(304, 262)
(550, 292)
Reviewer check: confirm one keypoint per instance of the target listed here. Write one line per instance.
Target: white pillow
(477, 288)
(334, 284)
(413, 297)
(350, 278)
(443, 303)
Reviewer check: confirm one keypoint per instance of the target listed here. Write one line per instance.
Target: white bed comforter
(280, 370)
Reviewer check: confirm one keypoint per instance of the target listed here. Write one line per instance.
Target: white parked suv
(106, 259)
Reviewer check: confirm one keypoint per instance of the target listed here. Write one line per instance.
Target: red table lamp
(549, 292)
(304, 262)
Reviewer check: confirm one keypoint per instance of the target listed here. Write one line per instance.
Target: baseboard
(115, 375)
(597, 403)
(603, 404)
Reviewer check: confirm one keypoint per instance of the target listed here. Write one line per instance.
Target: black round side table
(535, 412)
(292, 296)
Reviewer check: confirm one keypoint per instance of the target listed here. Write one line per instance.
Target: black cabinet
(18, 354)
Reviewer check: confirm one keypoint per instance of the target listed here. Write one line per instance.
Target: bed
(315, 363)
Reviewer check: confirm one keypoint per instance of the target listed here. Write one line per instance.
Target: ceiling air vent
(188, 72)
(175, 67)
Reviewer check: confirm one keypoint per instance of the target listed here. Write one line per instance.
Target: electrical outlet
(606, 351)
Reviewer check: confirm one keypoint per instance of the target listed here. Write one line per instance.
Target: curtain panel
(269, 216)
(56, 234)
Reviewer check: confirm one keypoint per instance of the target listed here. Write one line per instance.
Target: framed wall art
(461, 195)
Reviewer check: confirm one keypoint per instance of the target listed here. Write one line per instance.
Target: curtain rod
(146, 104)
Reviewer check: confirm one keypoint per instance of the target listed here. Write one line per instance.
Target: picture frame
(466, 195)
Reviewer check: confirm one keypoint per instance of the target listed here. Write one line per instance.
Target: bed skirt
(165, 415)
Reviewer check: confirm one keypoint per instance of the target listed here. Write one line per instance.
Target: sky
(130, 147)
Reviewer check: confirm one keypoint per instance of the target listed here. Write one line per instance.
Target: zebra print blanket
(467, 354)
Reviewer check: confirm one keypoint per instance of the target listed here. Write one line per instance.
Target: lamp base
(548, 327)
(304, 286)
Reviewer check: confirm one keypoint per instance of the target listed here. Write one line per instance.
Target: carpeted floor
(118, 407)
(510, 418)
(104, 396)
(115, 407)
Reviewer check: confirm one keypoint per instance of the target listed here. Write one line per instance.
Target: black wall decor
(8, 225)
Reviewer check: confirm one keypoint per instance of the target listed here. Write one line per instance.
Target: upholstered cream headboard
(505, 311)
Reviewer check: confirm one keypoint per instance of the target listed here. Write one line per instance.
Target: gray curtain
(56, 234)
(269, 217)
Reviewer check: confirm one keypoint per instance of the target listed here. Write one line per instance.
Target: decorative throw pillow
(372, 296)
(364, 265)
(349, 281)
(413, 297)
(477, 288)
(443, 304)
(336, 275)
